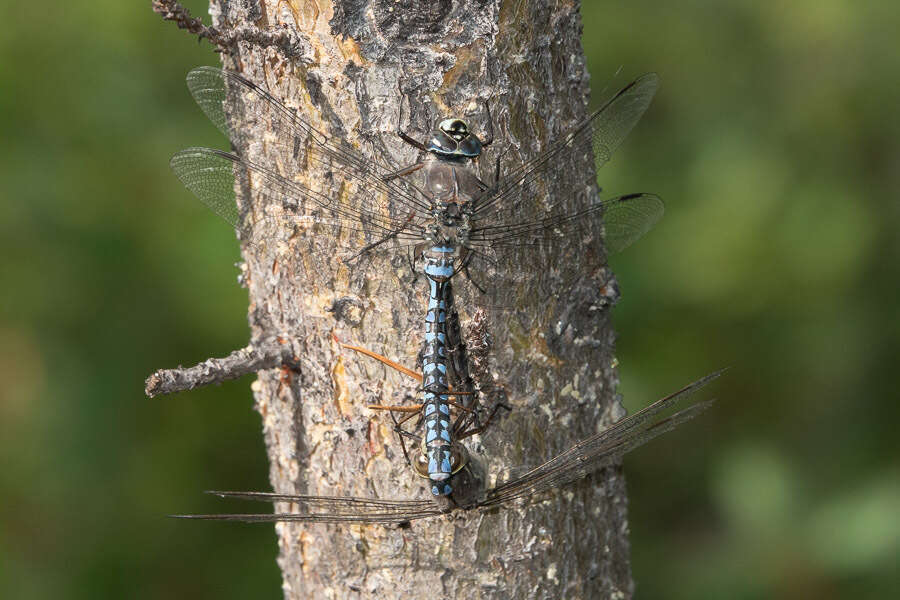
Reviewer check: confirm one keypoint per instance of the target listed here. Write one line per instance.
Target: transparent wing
(595, 138)
(577, 462)
(626, 219)
(237, 106)
(517, 263)
(531, 210)
(324, 509)
(589, 455)
(288, 205)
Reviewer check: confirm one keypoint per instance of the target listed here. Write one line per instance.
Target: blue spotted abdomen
(436, 406)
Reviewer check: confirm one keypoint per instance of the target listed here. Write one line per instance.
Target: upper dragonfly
(456, 222)
(577, 462)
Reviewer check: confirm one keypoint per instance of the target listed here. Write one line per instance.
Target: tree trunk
(552, 355)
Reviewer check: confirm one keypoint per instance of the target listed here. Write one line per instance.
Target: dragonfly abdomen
(436, 407)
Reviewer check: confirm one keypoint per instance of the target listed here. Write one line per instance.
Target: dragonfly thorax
(450, 181)
(448, 231)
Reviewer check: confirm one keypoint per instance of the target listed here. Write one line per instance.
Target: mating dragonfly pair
(452, 222)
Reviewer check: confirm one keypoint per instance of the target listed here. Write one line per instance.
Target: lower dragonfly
(579, 461)
(455, 223)
(462, 393)
(470, 419)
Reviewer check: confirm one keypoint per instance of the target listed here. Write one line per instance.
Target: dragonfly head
(452, 139)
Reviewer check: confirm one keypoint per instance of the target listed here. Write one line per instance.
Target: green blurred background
(773, 141)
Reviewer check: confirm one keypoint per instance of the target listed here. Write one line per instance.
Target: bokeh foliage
(773, 141)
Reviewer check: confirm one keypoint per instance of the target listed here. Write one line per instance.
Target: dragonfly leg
(479, 428)
(403, 172)
(460, 406)
(402, 434)
(383, 359)
(468, 275)
(482, 185)
(464, 269)
(389, 236)
(398, 425)
(466, 417)
(411, 141)
(413, 408)
(489, 133)
(411, 258)
(403, 135)
(399, 431)
(462, 423)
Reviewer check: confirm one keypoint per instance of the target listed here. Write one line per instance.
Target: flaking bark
(273, 353)
(553, 356)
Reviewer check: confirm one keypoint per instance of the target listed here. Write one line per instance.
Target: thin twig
(269, 354)
(283, 37)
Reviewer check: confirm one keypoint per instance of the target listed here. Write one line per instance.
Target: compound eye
(459, 458)
(455, 128)
(470, 146)
(459, 127)
(420, 465)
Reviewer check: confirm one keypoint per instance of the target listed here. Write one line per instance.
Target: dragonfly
(568, 467)
(453, 222)
(470, 419)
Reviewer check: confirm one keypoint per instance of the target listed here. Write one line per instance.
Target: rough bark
(553, 356)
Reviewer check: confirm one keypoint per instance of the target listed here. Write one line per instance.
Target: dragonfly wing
(287, 205)
(594, 452)
(325, 509)
(537, 183)
(238, 106)
(533, 211)
(626, 219)
(498, 252)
